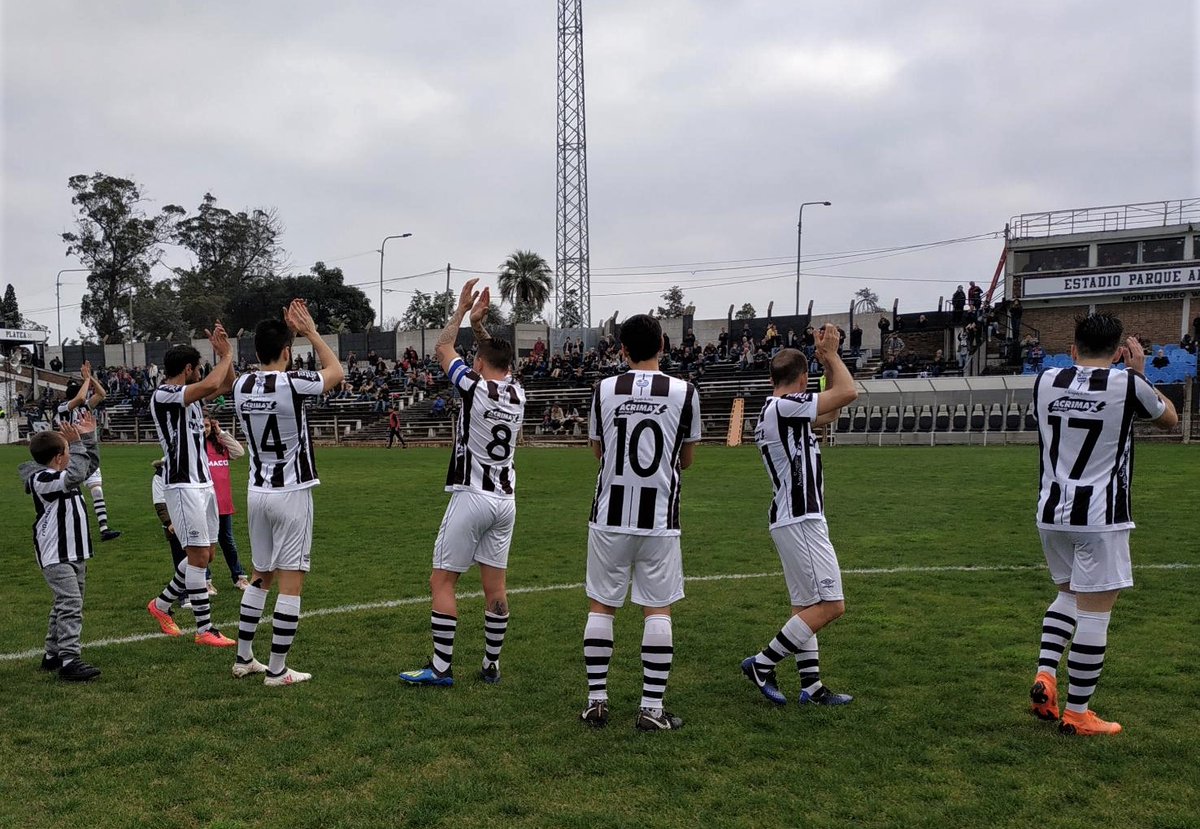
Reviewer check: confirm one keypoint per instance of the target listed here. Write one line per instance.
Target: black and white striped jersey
(792, 455)
(180, 429)
(1085, 432)
(60, 526)
(641, 419)
(270, 406)
(485, 442)
(66, 413)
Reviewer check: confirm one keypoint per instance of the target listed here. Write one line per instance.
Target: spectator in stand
(791, 339)
(856, 335)
(841, 341)
(958, 302)
(689, 339)
(56, 364)
(772, 337)
(922, 322)
(964, 350)
(972, 331)
(1015, 310)
(938, 365)
(439, 407)
(723, 344)
(894, 346)
(1161, 360)
(885, 326)
(351, 361)
(394, 424)
(891, 368)
(974, 296)
(539, 349)
(1036, 355)
(223, 448)
(1187, 344)
(557, 417)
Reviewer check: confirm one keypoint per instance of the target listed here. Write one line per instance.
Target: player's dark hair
(271, 337)
(496, 352)
(642, 337)
(72, 390)
(45, 446)
(1098, 335)
(178, 358)
(788, 366)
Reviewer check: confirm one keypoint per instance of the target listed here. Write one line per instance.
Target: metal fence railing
(1106, 218)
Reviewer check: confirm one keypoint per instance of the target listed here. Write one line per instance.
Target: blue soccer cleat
(764, 681)
(427, 676)
(823, 696)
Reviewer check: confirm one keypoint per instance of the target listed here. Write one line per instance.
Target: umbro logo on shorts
(826, 582)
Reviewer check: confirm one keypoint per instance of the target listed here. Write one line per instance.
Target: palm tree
(525, 283)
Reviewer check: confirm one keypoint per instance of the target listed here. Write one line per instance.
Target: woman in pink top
(223, 448)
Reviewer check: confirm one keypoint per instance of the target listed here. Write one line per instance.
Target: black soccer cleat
(596, 714)
(663, 721)
(50, 662)
(490, 673)
(110, 535)
(78, 671)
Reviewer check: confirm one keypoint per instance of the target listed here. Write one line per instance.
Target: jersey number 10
(631, 440)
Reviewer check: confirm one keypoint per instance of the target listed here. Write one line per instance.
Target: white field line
(551, 588)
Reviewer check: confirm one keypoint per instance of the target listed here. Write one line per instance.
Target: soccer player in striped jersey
(283, 471)
(61, 462)
(644, 426)
(178, 417)
(72, 409)
(791, 453)
(1085, 417)
(478, 525)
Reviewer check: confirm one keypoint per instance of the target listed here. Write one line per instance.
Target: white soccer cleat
(288, 677)
(244, 669)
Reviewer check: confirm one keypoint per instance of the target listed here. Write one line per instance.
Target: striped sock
(808, 663)
(198, 595)
(283, 631)
(597, 653)
(101, 509)
(790, 639)
(443, 625)
(174, 589)
(1058, 627)
(657, 653)
(254, 599)
(1086, 659)
(494, 628)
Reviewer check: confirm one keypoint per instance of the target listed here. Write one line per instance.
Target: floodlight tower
(572, 268)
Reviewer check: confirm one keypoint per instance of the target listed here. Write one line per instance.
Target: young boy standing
(62, 461)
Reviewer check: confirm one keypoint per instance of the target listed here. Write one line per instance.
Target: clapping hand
(219, 340)
(299, 319)
(466, 299)
(85, 372)
(68, 431)
(1133, 354)
(86, 423)
(482, 304)
(826, 339)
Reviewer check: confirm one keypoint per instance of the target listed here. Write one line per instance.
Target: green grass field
(939, 659)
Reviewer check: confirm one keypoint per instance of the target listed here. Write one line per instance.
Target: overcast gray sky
(709, 122)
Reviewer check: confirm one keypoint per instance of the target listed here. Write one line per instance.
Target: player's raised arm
(445, 351)
(218, 380)
(98, 394)
(80, 398)
(1151, 402)
(839, 383)
(479, 315)
(300, 320)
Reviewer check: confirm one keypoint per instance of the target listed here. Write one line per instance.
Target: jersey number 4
(270, 440)
(631, 440)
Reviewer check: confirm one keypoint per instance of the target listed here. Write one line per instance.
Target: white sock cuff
(194, 574)
(288, 604)
(487, 614)
(600, 624)
(1096, 616)
(1064, 603)
(798, 630)
(658, 625)
(255, 597)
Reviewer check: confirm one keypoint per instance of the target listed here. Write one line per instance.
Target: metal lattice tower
(573, 271)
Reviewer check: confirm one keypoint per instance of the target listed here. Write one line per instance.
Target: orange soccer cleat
(214, 638)
(1043, 697)
(165, 622)
(1086, 724)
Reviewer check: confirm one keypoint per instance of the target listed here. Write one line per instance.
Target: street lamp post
(799, 239)
(58, 302)
(382, 246)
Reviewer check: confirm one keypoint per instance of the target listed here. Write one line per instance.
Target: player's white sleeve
(803, 405)
(462, 376)
(594, 425)
(692, 402)
(1147, 402)
(158, 492)
(306, 383)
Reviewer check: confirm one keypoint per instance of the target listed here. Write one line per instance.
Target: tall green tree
(335, 306)
(427, 310)
(228, 248)
(746, 312)
(525, 283)
(866, 300)
(118, 244)
(10, 312)
(157, 313)
(674, 303)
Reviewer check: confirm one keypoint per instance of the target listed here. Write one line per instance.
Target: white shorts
(475, 529)
(94, 480)
(193, 512)
(655, 563)
(281, 527)
(810, 566)
(1090, 562)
